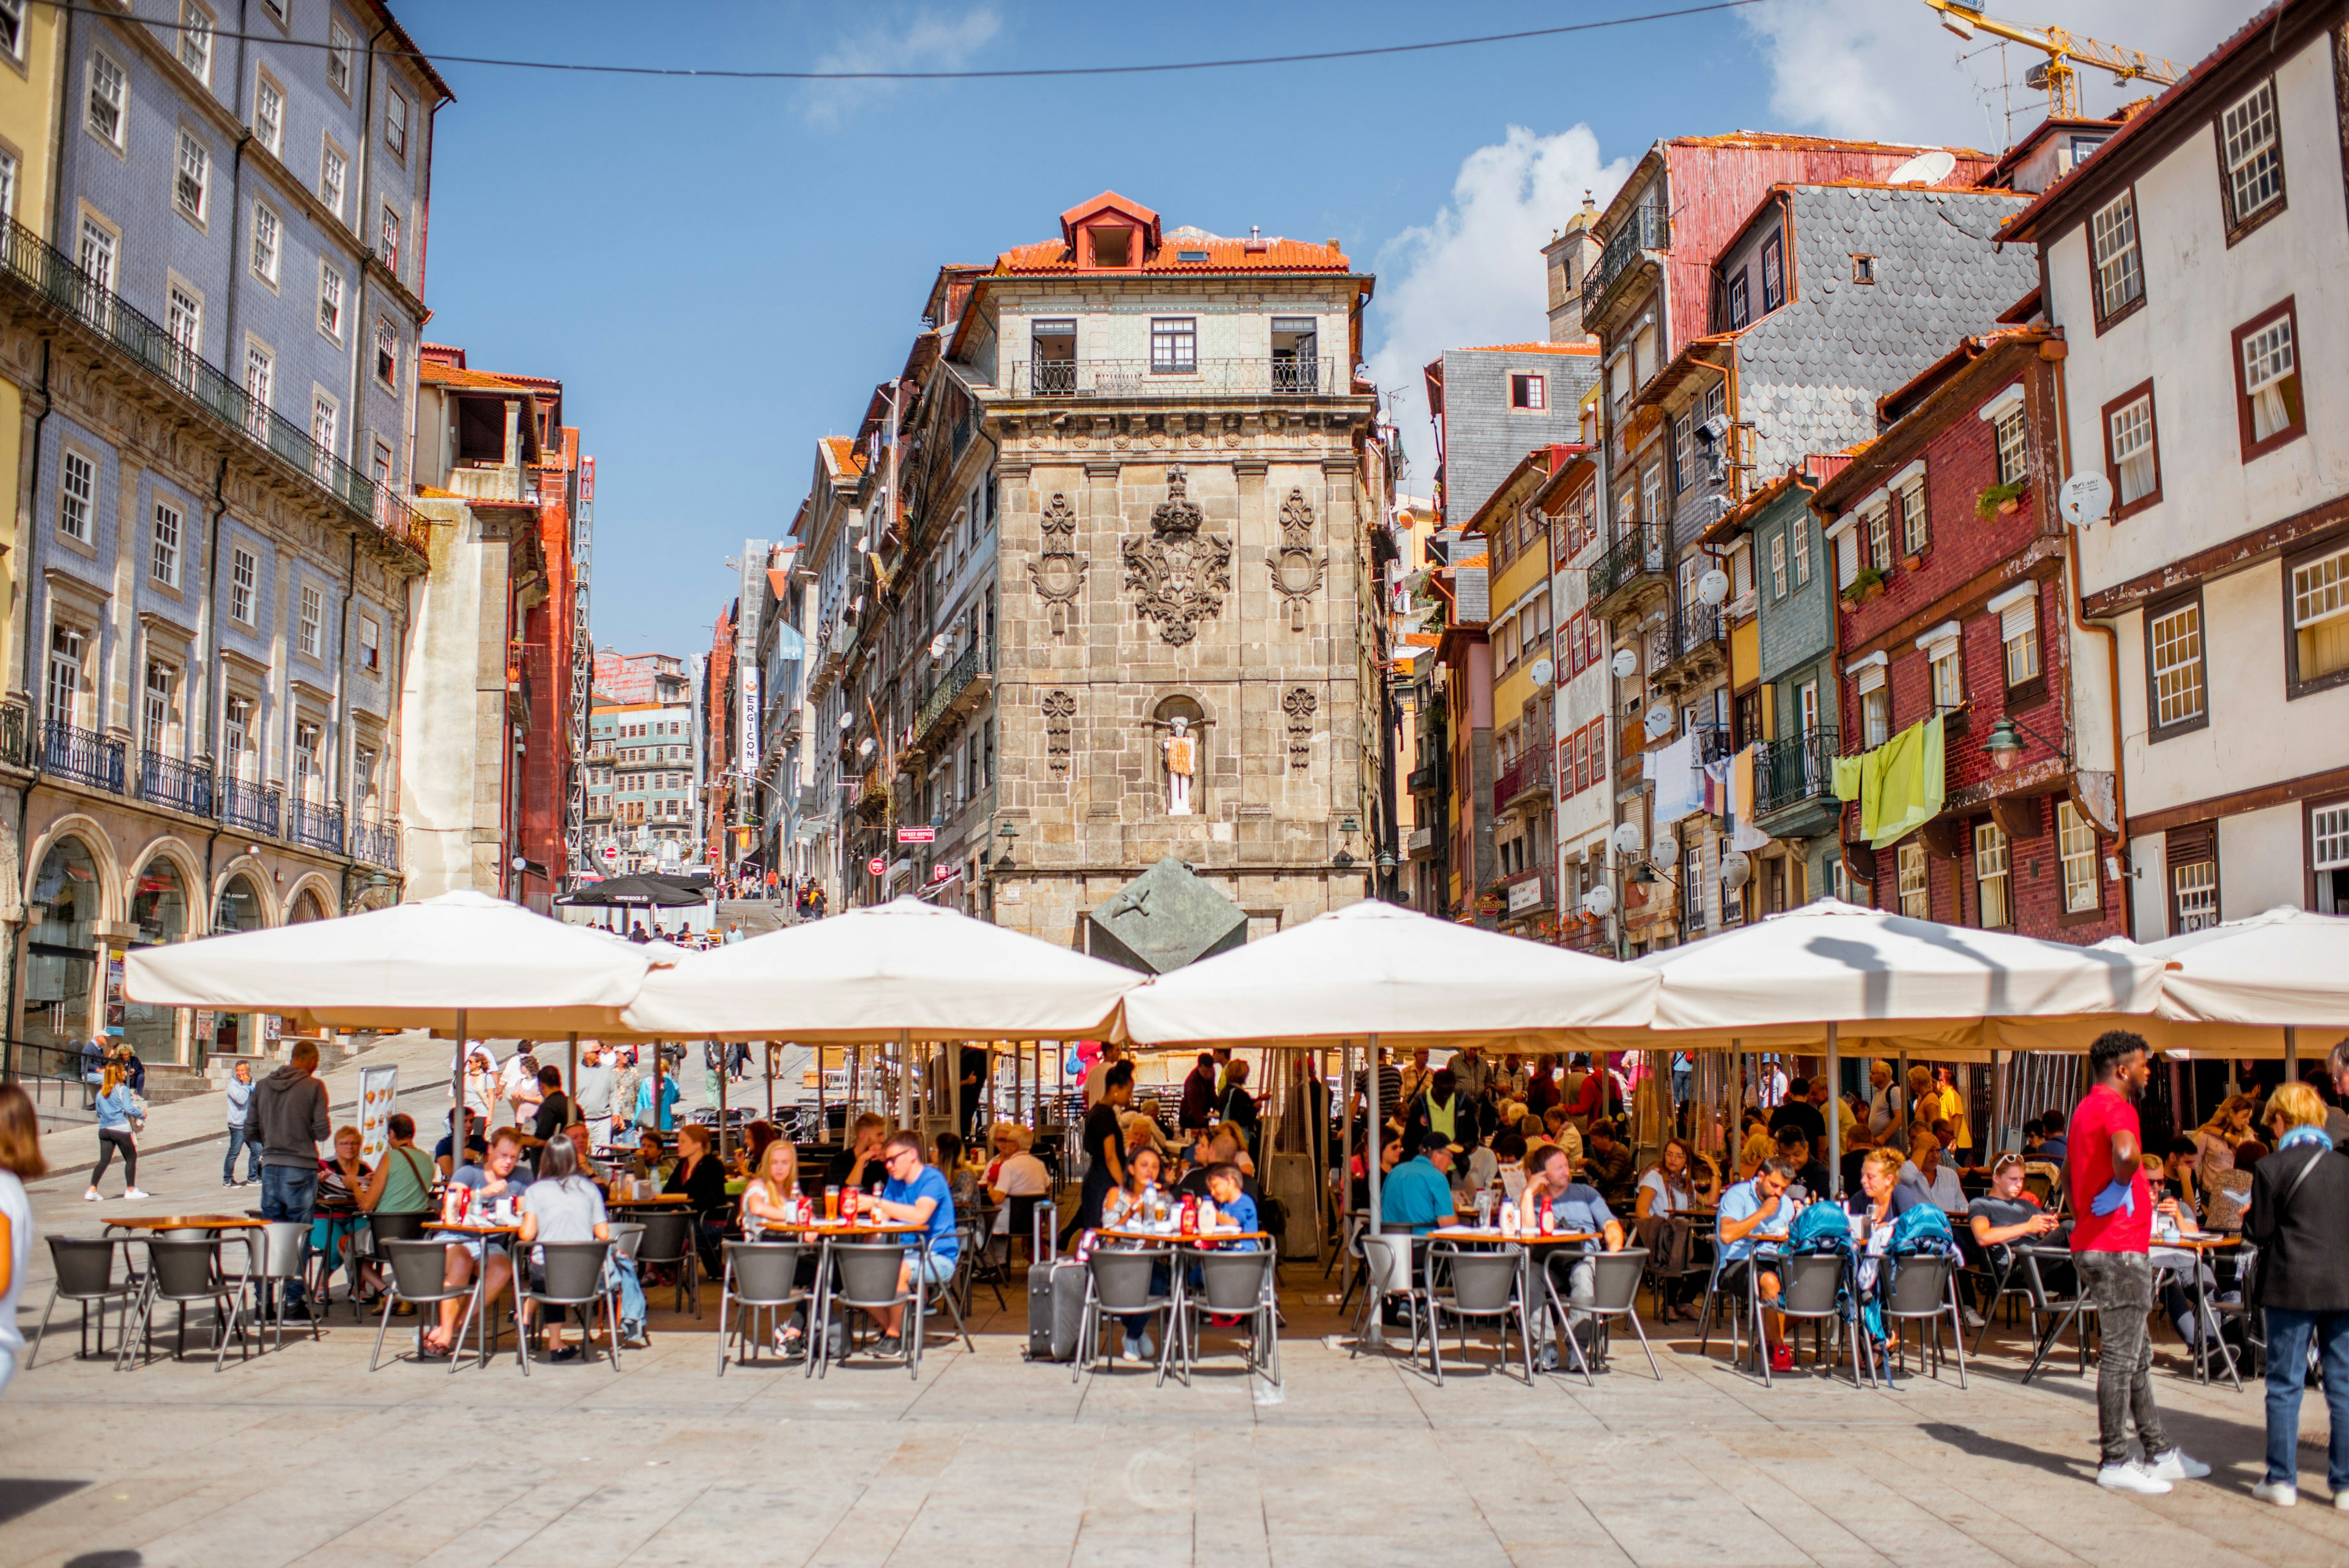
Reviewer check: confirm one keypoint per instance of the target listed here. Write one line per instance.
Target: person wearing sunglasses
(918, 1197)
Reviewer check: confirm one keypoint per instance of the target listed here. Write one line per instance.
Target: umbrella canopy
(1890, 981)
(637, 893)
(1379, 969)
(2284, 968)
(412, 966)
(905, 968)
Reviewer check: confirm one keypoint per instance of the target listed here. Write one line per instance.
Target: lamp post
(2005, 743)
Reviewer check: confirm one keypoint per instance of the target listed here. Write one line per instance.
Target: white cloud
(923, 40)
(1888, 70)
(1473, 273)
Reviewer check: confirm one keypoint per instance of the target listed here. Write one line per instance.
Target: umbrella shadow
(20, 1495)
(1877, 971)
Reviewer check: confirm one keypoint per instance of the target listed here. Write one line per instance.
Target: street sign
(943, 873)
(611, 854)
(918, 835)
(877, 865)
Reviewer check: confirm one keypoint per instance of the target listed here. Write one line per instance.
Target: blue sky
(718, 272)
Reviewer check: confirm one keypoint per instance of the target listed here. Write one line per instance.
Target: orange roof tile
(432, 372)
(1591, 349)
(1222, 256)
(841, 452)
(1420, 638)
(1481, 558)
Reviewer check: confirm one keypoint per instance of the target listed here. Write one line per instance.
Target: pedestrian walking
(20, 1162)
(240, 1102)
(2111, 1240)
(288, 1119)
(120, 1115)
(2299, 1194)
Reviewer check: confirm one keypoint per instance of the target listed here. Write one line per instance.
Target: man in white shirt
(1098, 1071)
(1883, 1114)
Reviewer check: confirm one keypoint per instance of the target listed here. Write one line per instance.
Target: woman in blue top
(119, 1115)
(917, 1196)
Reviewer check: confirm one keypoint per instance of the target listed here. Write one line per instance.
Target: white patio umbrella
(1375, 971)
(2248, 987)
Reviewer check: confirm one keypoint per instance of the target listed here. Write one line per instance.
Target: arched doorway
(159, 910)
(307, 908)
(238, 908)
(61, 957)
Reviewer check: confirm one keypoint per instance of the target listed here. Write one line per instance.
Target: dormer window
(1111, 248)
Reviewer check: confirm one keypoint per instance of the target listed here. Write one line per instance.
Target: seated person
(1416, 1195)
(859, 1165)
(702, 1179)
(917, 1195)
(551, 1115)
(335, 1221)
(652, 1161)
(1562, 1132)
(1668, 1194)
(1574, 1207)
(1753, 1211)
(1607, 1166)
(1795, 1150)
(402, 1182)
(2007, 1214)
(1013, 1174)
(563, 1205)
(956, 1170)
(497, 1176)
(1235, 1210)
(1224, 1146)
(1934, 1182)
(1132, 1206)
(768, 1199)
(578, 1137)
(477, 1147)
(1888, 1196)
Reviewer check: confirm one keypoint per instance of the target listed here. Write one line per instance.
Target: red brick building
(1951, 562)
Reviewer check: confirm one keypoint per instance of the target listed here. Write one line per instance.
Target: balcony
(1524, 894)
(82, 756)
(1690, 649)
(962, 688)
(1632, 568)
(168, 781)
(1421, 780)
(1647, 229)
(376, 843)
(250, 807)
(1132, 378)
(1794, 785)
(31, 264)
(315, 827)
(1527, 777)
(1422, 842)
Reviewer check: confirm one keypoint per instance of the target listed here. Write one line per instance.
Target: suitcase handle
(1047, 1240)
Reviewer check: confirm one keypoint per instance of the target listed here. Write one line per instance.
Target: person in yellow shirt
(1953, 1111)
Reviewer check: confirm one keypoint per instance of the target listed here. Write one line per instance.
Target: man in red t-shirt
(2113, 1205)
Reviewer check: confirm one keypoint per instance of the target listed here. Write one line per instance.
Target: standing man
(2110, 1238)
(2336, 1120)
(1104, 1142)
(1199, 1104)
(1883, 1116)
(973, 1074)
(287, 1119)
(1097, 1074)
(240, 1101)
(594, 1085)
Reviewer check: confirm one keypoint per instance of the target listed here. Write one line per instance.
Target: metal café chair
(187, 1272)
(1614, 1293)
(864, 1278)
(574, 1274)
(954, 1296)
(2076, 1311)
(85, 1276)
(1118, 1285)
(1387, 1274)
(1245, 1285)
(668, 1242)
(417, 1270)
(761, 1278)
(1483, 1287)
(1922, 1290)
(1811, 1290)
(282, 1245)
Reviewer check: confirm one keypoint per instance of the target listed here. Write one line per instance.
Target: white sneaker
(132, 1192)
(1970, 1317)
(2283, 1494)
(2175, 1464)
(90, 1196)
(2340, 1500)
(2131, 1475)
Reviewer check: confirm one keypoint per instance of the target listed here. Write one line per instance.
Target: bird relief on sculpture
(1178, 574)
(1296, 569)
(1180, 749)
(1058, 571)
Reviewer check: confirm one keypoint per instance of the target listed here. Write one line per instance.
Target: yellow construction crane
(2056, 75)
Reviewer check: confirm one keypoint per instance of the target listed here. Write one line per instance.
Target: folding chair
(1923, 1287)
(2076, 1311)
(419, 1270)
(1483, 1287)
(1811, 1290)
(189, 1271)
(1614, 1293)
(574, 1273)
(283, 1246)
(1235, 1284)
(865, 1277)
(1387, 1272)
(85, 1270)
(668, 1242)
(954, 1296)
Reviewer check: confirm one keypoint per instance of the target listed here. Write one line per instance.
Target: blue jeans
(2289, 1333)
(236, 1140)
(290, 1192)
(632, 1290)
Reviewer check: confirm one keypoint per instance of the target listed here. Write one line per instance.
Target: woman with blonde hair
(2224, 1189)
(773, 1186)
(119, 1117)
(2298, 1195)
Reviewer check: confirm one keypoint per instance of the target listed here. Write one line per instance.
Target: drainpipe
(343, 699)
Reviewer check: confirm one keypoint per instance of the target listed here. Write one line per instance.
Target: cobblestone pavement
(300, 1456)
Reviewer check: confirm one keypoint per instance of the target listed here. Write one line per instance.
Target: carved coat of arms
(1178, 575)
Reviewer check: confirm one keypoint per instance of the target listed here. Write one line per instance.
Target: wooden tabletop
(658, 1200)
(1178, 1239)
(1494, 1233)
(843, 1228)
(2203, 1242)
(471, 1228)
(185, 1222)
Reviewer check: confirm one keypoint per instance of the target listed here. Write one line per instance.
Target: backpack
(1821, 1228)
(1923, 1230)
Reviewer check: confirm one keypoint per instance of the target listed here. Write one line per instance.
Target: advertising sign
(918, 835)
(749, 724)
(379, 1087)
(1524, 895)
(114, 965)
(877, 865)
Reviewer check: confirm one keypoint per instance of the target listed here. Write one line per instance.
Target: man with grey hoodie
(287, 1119)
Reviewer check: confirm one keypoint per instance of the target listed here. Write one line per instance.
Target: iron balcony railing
(376, 843)
(316, 825)
(1199, 378)
(83, 755)
(1713, 742)
(1639, 553)
(167, 780)
(1694, 626)
(250, 807)
(1526, 775)
(951, 685)
(1647, 229)
(1796, 768)
(33, 262)
(13, 750)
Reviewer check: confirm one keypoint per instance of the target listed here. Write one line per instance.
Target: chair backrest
(186, 1267)
(1920, 1287)
(2034, 1281)
(395, 1226)
(1387, 1260)
(1022, 1213)
(84, 1265)
(418, 1268)
(1480, 1281)
(1808, 1285)
(281, 1249)
(2043, 1187)
(667, 1235)
(1235, 1281)
(1614, 1277)
(628, 1235)
(574, 1270)
(1122, 1275)
(867, 1273)
(764, 1271)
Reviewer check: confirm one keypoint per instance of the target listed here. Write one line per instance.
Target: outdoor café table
(166, 1224)
(481, 1308)
(654, 1200)
(2202, 1244)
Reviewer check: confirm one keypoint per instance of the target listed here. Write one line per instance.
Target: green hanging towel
(1913, 780)
(1846, 776)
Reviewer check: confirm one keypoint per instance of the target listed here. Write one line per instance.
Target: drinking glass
(831, 1205)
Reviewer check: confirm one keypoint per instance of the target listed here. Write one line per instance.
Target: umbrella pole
(1900, 1098)
(770, 1081)
(1372, 1332)
(457, 1098)
(571, 1083)
(904, 1078)
(1345, 1165)
(1834, 1114)
(723, 1075)
(822, 1122)
(657, 1065)
(2292, 1055)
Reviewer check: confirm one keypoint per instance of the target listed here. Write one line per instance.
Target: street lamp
(1011, 837)
(2005, 744)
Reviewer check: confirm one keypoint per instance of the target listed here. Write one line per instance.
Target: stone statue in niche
(1178, 574)
(1180, 749)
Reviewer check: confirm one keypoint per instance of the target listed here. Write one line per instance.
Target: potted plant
(1866, 584)
(1998, 499)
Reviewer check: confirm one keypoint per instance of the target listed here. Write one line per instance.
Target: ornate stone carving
(1058, 709)
(1058, 571)
(1299, 705)
(1297, 570)
(1179, 575)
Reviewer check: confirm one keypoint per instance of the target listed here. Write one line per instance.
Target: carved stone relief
(1179, 575)
(1297, 569)
(1058, 709)
(1299, 705)
(1058, 571)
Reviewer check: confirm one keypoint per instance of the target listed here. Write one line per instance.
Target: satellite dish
(1541, 672)
(1626, 838)
(1599, 902)
(1667, 844)
(1658, 723)
(864, 747)
(1625, 663)
(2086, 498)
(1925, 168)
(1712, 588)
(1736, 869)
(939, 645)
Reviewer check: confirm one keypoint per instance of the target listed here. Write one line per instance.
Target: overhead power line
(722, 74)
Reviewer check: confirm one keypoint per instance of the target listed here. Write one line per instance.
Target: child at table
(1232, 1202)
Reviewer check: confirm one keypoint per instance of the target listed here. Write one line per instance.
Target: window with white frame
(236, 715)
(1875, 706)
(2195, 888)
(97, 255)
(196, 40)
(2328, 845)
(8, 168)
(77, 497)
(1916, 894)
(370, 644)
(269, 114)
(2076, 844)
(155, 708)
(192, 183)
(2013, 452)
(12, 28)
(1806, 707)
(1949, 677)
(67, 645)
(2018, 633)
(2271, 378)
(1173, 342)
(1990, 881)
(183, 323)
(326, 427)
(2253, 153)
(244, 571)
(363, 781)
(108, 95)
(1528, 392)
(2112, 238)
(1879, 524)
(1799, 531)
(1774, 273)
(334, 176)
(1684, 452)
(339, 51)
(2134, 457)
(387, 351)
(1910, 499)
(163, 544)
(1779, 566)
(1651, 493)
(2176, 640)
(2320, 616)
(330, 301)
(306, 759)
(268, 243)
(395, 123)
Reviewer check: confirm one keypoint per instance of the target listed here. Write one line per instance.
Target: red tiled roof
(842, 453)
(1591, 349)
(434, 373)
(1222, 256)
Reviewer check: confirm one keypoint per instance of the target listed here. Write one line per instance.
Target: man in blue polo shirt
(918, 1195)
(1417, 1194)
(1752, 1212)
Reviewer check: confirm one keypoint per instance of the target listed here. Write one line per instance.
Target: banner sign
(748, 725)
(918, 835)
(379, 1087)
